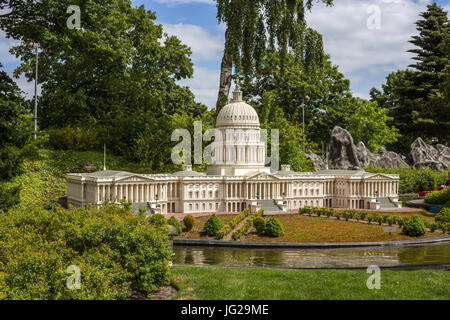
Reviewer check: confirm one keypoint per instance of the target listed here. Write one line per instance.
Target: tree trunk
(226, 71)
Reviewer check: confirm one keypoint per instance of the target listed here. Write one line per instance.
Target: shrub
(434, 227)
(260, 225)
(274, 228)
(444, 226)
(9, 196)
(443, 216)
(174, 222)
(157, 220)
(119, 254)
(370, 218)
(438, 197)
(189, 222)
(414, 227)
(68, 138)
(247, 225)
(232, 224)
(213, 225)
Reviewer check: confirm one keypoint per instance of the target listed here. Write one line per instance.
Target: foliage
(157, 220)
(443, 216)
(414, 180)
(174, 222)
(189, 222)
(247, 225)
(418, 98)
(16, 128)
(274, 228)
(260, 225)
(119, 254)
(226, 229)
(213, 225)
(369, 124)
(438, 197)
(68, 138)
(252, 27)
(414, 227)
(9, 196)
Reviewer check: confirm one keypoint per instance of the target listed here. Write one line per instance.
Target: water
(313, 258)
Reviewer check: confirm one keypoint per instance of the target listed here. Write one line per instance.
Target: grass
(196, 232)
(212, 283)
(299, 228)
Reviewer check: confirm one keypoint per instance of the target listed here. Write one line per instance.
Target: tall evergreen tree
(416, 96)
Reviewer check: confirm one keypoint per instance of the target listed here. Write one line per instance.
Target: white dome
(237, 114)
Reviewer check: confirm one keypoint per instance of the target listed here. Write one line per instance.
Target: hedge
(247, 225)
(118, 254)
(232, 224)
(438, 197)
(414, 227)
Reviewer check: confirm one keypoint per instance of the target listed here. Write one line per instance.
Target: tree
(331, 99)
(121, 63)
(416, 97)
(248, 23)
(369, 125)
(16, 128)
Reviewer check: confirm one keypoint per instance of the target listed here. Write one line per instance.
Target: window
(190, 194)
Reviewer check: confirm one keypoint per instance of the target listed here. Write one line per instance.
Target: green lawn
(202, 283)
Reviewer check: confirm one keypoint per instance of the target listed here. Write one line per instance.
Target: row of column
(257, 190)
(134, 192)
(240, 154)
(378, 188)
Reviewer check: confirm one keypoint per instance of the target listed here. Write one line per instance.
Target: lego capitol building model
(236, 180)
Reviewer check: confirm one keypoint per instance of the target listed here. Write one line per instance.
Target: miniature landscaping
(320, 225)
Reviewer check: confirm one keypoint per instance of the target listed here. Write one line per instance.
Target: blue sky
(365, 55)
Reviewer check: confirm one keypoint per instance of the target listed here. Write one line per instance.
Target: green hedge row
(247, 225)
(438, 197)
(232, 224)
(415, 180)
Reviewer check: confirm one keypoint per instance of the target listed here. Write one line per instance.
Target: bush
(189, 222)
(274, 228)
(414, 227)
(119, 254)
(77, 139)
(438, 197)
(443, 216)
(9, 196)
(157, 220)
(415, 180)
(232, 224)
(260, 225)
(213, 225)
(174, 222)
(247, 225)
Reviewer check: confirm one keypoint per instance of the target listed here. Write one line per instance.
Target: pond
(313, 258)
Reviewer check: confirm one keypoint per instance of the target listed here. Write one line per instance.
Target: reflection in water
(313, 258)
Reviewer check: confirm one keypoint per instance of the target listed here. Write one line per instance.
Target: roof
(107, 173)
(187, 173)
(237, 113)
(342, 172)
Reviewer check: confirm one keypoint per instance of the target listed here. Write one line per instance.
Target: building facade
(237, 179)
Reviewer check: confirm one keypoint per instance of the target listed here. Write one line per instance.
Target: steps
(269, 206)
(386, 204)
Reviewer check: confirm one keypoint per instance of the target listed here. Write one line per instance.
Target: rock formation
(318, 162)
(384, 158)
(426, 156)
(365, 157)
(389, 159)
(341, 151)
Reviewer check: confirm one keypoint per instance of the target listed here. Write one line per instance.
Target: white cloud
(204, 85)
(205, 46)
(357, 49)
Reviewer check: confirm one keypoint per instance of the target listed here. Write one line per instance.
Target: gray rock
(88, 167)
(341, 151)
(389, 159)
(365, 157)
(172, 230)
(426, 156)
(444, 154)
(318, 162)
